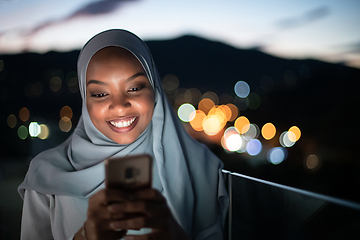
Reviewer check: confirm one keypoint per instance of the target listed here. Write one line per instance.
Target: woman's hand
(148, 210)
(112, 212)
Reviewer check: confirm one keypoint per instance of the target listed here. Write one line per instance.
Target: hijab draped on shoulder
(188, 173)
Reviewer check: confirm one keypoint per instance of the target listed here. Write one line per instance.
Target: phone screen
(129, 173)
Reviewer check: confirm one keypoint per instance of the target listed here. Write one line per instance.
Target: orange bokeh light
(205, 105)
(268, 131)
(242, 124)
(234, 111)
(297, 133)
(197, 121)
(24, 114)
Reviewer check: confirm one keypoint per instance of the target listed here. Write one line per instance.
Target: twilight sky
(328, 30)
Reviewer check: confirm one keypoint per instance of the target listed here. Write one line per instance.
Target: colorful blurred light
(212, 124)
(211, 95)
(55, 84)
(254, 147)
(66, 111)
(242, 89)
(65, 124)
(276, 155)
(251, 131)
(22, 132)
(170, 82)
(242, 124)
(285, 139)
(34, 129)
(268, 131)
(24, 114)
(226, 110)
(44, 133)
(205, 105)
(311, 161)
(297, 133)
(11, 120)
(233, 142)
(185, 112)
(197, 120)
(234, 111)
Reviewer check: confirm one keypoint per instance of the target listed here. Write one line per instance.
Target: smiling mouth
(123, 124)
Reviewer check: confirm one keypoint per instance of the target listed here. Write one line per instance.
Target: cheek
(95, 111)
(146, 106)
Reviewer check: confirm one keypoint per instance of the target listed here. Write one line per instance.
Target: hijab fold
(187, 172)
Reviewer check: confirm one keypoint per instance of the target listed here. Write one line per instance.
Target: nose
(120, 103)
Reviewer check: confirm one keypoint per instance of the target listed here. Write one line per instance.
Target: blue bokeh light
(242, 89)
(276, 155)
(254, 147)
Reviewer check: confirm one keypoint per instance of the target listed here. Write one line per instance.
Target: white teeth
(122, 123)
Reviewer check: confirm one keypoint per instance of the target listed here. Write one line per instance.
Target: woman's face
(119, 97)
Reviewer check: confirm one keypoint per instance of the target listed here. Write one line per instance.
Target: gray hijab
(188, 173)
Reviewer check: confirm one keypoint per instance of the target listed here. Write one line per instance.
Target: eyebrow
(92, 81)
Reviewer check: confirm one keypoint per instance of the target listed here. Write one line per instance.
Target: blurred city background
(271, 88)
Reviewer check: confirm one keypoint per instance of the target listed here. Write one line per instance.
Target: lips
(123, 125)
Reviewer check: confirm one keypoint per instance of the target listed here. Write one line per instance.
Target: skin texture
(117, 88)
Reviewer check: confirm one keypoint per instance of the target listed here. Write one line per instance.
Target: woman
(124, 112)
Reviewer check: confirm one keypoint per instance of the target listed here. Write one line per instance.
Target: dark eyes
(134, 89)
(100, 95)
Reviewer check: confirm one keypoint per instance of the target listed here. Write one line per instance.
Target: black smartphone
(129, 173)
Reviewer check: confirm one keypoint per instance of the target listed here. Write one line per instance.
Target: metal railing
(261, 209)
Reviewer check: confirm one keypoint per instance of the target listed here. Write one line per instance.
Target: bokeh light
(22, 132)
(268, 131)
(285, 139)
(170, 82)
(44, 132)
(227, 133)
(242, 89)
(197, 120)
(11, 120)
(24, 114)
(205, 105)
(34, 129)
(233, 142)
(297, 133)
(226, 110)
(250, 131)
(219, 113)
(212, 124)
(66, 111)
(192, 96)
(71, 80)
(185, 112)
(253, 147)
(65, 124)
(311, 161)
(211, 95)
(55, 83)
(234, 112)
(242, 124)
(276, 155)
